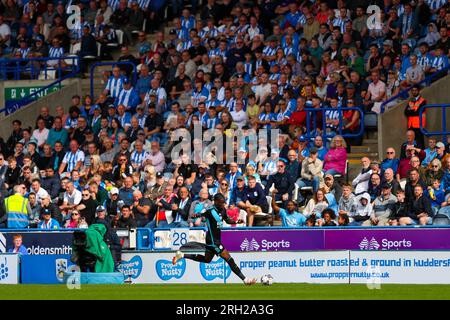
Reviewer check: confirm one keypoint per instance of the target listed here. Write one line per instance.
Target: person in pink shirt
(336, 158)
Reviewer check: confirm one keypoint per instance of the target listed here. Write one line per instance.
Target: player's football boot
(179, 255)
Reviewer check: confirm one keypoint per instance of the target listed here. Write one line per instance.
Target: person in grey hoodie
(382, 207)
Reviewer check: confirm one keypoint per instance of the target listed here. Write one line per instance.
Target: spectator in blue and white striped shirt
(114, 84)
(128, 96)
(138, 155)
(73, 159)
(55, 51)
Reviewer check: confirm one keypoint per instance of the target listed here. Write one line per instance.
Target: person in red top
(298, 117)
(164, 204)
(351, 123)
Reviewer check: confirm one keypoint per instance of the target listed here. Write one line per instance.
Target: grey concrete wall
(392, 124)
(29, 113)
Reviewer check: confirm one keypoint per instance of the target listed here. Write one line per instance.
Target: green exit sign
(19, 93)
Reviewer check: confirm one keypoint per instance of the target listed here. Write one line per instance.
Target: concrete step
(370, 141)
(356, 155)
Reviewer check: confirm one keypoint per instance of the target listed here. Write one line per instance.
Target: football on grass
(267, 279)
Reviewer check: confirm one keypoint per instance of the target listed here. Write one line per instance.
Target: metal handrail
(340, 129)
(15, 67)
(404, 92)
(13, 106)
(443, 108)
(113, 64)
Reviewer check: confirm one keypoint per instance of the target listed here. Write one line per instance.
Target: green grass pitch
(225, 292)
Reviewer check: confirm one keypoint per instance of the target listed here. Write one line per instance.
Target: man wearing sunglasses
(390, 161)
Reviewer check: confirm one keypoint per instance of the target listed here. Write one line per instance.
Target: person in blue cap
(47, 222)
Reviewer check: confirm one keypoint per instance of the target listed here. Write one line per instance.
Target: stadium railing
(112, 64)
(71, 70)
(403, 95)
(311, 114)
(445, 128)
(38, 68)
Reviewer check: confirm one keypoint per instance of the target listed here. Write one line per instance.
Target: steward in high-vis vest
(412, 112)
(17, 209)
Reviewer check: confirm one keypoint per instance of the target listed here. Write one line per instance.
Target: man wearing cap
(156, 190)
(311, 172)
(382, 207)
(128, 97)
(412, 111)
(47, 222)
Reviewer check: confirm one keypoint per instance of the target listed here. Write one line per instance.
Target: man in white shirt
(73, 160)
(239, 116)
(156, 158)
(40, 192)
(72, 198)
(263, 89)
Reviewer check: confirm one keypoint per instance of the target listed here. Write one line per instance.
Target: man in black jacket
(51, 182)
(88, 45)
(180, 209)
(420, 209)
(283, 183)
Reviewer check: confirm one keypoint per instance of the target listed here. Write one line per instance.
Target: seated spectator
(336, 158)
(181, 209)
(436, 195)
(433, 172)
(362, 210)
(401, 209)
(197, 206)
(347, 203)
(374, 188)
(255, 200)
(47, 221)
(430, 152)
(420, 209)
(124, 220)
(388, 177)
(382, 207)
(289, 216)
(328, 217)
(72, 198)
(164, 212)
(361, 182)
(316, 205)
(311, 171)
(283, 184)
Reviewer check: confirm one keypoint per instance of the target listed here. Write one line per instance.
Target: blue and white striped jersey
(114, 86)
(71, 159)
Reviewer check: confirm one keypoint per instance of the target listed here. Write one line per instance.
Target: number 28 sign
(179, 236)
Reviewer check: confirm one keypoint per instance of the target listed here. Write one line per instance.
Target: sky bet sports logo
(265, 245)
(214, 270)
(166, 270)
(131, 268)
(252, 245)
(369, 245)
(386, 244)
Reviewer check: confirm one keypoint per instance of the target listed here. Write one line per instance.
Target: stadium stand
(156, 73)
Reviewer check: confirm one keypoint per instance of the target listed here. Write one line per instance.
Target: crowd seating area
(314, 71)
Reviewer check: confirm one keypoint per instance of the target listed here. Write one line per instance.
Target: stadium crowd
(240, 65)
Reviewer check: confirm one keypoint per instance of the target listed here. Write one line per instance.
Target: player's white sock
(249, 281)
(178, 255)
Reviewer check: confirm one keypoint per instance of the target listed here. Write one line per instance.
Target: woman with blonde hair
(336, 158)
(433, 172)
(250, 170)
(95, 167)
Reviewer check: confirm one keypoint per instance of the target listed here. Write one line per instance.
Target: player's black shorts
(216, 248)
